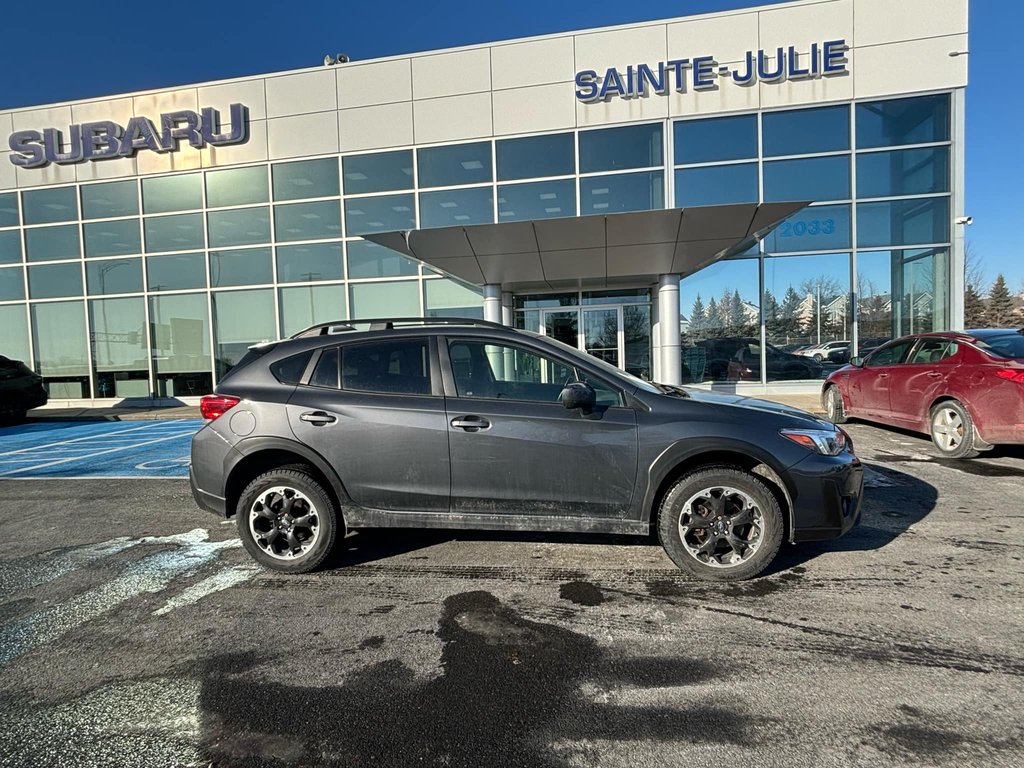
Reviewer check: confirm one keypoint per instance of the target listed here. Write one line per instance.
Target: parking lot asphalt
(134, 631)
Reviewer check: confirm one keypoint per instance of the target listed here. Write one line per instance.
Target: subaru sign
(105, 139)
(703, 73)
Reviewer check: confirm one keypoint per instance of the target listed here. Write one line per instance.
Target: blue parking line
(130, 449)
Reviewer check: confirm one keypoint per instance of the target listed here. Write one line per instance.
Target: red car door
(869, 388)
(914, 384)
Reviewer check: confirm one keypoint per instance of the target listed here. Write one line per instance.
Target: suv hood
(753, 404)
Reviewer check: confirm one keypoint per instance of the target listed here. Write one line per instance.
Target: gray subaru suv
(451, 423)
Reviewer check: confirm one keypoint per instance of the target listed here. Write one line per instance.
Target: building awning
(591, 251)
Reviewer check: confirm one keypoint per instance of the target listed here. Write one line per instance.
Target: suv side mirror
(579, 394)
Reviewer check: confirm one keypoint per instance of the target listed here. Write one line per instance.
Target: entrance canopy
(592, 251)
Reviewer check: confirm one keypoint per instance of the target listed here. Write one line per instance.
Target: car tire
(287, 520)
(716, 492)
(818, 357)
(834, 408)
(952, 431)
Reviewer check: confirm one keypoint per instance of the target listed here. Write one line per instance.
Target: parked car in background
(964, 389)
(738, 358)
(21, 388)
(821, 351)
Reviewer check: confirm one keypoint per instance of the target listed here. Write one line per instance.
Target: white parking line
(104, 452)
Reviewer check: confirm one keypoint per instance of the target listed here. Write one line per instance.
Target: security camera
(342, 58)
(965, 220)
(329, 60)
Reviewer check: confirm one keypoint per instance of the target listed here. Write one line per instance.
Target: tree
(974, 270)
(737, 317)
(789, 321)
(698, 318)
(974, 308)
(1000, 310)
(714, 319)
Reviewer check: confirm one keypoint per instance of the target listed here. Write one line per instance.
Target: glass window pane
(43, 206)
(366, 259)
(497, 371)
(450, 298)
(175, 273)
(717, 185)
(249, 266)
(819, 228)
(903, 172)
(238, 186)
(9, 209)
(50, 281)
(456, 206)
(378, 172)
(804, 131)
(459, 164)
(816, 179)
(10, 246)
(180, 333)
(391, 299)
(174, 233)
(326, 372)
(720, 315)
(12, 285)
(303, 306)
(537, 200)
(112, 238)
(394, 367)
(612, 149)
(244, 226)
(119, 349)
(307, 221)
(52, 243)
(617, 296)
(903, 222)
(58, 337)
(305, 263)
(888, 123)
(114, 276)
(14, 333)
(241, 319)
(163, 194)
(539, 300)
(536, 156)
(105, 201)
(901, 292)
(624, 192)
(379, 214)
(310, 178)
(715, 139)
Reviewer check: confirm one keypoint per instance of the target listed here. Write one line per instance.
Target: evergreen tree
(974, 308)
(698, 318)
(714, 319)
(789, 322)
(737, 317)
(1000, 310)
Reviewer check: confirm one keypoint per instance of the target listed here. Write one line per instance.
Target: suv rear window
(289, 370)
(392, 367)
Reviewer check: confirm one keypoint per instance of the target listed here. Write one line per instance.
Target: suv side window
(891, 354)
(326, 372)
(399, 367)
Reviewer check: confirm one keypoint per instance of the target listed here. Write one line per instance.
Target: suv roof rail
(388, 323)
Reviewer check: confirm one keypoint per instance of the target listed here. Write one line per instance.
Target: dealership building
(681, 198)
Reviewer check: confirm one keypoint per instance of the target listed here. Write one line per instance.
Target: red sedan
(965, 389)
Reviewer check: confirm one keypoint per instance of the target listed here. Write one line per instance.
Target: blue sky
(57, 53)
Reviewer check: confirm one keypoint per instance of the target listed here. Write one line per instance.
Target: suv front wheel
(721, 524)
(287, 520)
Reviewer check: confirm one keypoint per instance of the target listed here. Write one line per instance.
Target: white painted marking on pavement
(220, 581)
(44, 465)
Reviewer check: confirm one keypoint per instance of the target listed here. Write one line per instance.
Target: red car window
(933, 351)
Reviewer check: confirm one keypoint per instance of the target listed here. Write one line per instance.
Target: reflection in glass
(238, 186)
(892, 122)
(114, 276)
(536, 156)
(14, 333)
(307, 221)
(601, 334)
(45, 206)
(636, 332)
(165, 194)
(450, 298)
(805, 131)
(710, 140)
(180, 338)
(901, 292)
(61, 356)
(174, 233)
(617, 296)
(717, 185)
(452, 207)
(303, 306)
(52, 243)
(903, 222)
(903, 172)
(241, 319)
(106, 201)
(612, 149)
(50, 281)
(393, 299)
(622, 192)
(457, 164)
(537, 200)
(112, 238)
(563, 326)
(9, 209)
(10, 246)
(379, 172)
(306, 263)
(119, 349)
(816, 179)
(379, 214)
(309, 178)
(249, 266)
(818, 228)
(366, 259)
(175, 273)
(12, 284)
(243, 226)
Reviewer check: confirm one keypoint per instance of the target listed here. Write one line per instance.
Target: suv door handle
(471, 423)
(317, 418)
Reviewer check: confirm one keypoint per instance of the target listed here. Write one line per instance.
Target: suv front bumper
(827, 498)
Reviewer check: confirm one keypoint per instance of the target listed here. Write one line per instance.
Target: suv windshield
(1003, 345)
(618, 375)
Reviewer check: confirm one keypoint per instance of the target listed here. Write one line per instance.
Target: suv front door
(516, 450)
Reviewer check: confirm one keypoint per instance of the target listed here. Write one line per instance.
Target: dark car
(738, 358)
(965, 389)
(468, 424)
(21, 388)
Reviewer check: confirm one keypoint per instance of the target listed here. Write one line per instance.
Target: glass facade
(157, 285)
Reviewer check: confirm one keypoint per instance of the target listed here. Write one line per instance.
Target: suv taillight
(1011, 374)
(214, 406)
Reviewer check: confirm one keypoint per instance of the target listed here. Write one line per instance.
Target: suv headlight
(825, 442)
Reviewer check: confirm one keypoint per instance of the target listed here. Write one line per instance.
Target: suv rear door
(515, 450)
(375, 411)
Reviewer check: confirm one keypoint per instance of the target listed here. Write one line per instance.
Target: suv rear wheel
(721, 524)
(287, 520)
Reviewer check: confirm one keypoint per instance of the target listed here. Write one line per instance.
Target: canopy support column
(668, 328)
(506, 308)
(492, 303)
